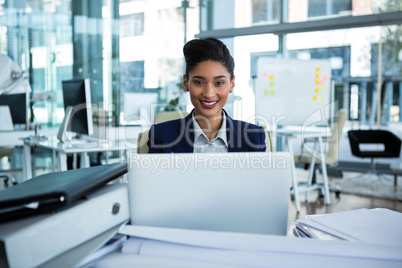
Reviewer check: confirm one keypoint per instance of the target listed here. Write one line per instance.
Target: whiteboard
(289, 91)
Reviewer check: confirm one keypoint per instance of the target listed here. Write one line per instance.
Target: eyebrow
(216, 77)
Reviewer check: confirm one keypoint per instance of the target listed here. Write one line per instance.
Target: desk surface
(78, 146)
(14, 138)
(306, 132)
(82, 147)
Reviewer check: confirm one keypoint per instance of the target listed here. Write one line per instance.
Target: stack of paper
(378, 226)
(209, 248)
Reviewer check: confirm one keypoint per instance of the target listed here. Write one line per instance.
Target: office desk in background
(316, 134)
(105, 139)
(74, 147)
(14, 137)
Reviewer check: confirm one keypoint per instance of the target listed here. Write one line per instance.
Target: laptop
(231, 192)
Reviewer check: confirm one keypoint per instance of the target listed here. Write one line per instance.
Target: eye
(198, 82)
(220, 83)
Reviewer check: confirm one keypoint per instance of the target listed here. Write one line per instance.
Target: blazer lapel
(231, 134)
(185, 144)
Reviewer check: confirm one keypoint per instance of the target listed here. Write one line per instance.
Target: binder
(51, 191)
(37, 240)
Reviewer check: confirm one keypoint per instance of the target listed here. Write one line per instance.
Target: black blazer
(177, 136)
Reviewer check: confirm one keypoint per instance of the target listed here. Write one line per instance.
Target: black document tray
(51, 191)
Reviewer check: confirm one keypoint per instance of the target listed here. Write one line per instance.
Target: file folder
(50, 191)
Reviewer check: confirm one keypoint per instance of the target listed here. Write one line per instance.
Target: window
(265, 10)
(132, 76)
(318, 8)
(339, 58)
(132, 25)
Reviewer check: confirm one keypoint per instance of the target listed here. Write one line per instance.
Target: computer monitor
(18, 107)
(77, 98)
(139, 107)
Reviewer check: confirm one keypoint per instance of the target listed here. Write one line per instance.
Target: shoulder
(164, 137)
(176, 124)
(167, 124)
(250, 130)
(242, 125)
(245, 136)
(168, 130)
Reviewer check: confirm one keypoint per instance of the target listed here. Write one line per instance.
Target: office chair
(392, 146)
(331, 157)
(6, 152)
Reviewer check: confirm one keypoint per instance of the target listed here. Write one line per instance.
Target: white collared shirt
(203, 145)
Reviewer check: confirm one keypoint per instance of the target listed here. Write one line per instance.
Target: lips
(208, 104)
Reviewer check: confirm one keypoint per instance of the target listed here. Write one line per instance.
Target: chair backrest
(333, 147)
(142, 147)
(392, 144)
(268, 141)
(6, 151)
(167, 116)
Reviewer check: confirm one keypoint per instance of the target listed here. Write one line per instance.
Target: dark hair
(199, 50)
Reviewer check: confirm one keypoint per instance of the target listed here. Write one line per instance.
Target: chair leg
(373, 170)
(336, 188)
(8, 178)
(333, 187)
(372, 175)
(311, 179)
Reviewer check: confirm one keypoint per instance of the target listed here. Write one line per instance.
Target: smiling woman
(209, 78)
(209, 84)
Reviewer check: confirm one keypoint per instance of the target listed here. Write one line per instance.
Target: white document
(378, 226)
(128, 260)
(233, 258)
(251, 249)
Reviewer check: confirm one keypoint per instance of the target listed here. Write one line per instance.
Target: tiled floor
(345, 202)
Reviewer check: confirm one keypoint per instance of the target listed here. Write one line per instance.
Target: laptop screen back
(234, 192)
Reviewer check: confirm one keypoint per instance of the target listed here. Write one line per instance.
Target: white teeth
(209, 103)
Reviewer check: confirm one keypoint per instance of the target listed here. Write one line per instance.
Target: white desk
(14, 137)
(315, 134)
(73, 147)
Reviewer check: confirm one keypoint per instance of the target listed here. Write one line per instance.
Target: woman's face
(209, 85)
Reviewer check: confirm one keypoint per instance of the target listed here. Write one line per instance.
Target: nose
(209, 91)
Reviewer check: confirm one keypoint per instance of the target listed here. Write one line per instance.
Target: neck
(210, 125)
